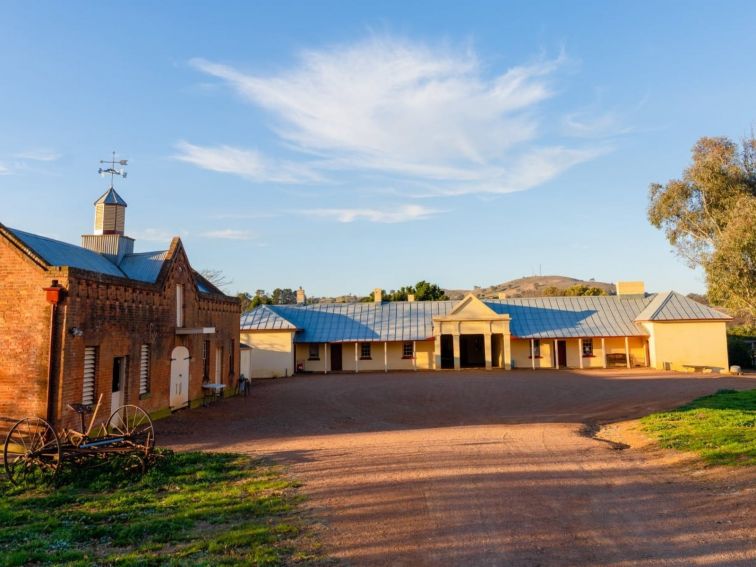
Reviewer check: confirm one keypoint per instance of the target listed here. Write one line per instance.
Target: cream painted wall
(271, 354)
(303, 357)
(690, 342)
(521, 352)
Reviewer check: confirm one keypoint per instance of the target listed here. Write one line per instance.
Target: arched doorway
(179, 377)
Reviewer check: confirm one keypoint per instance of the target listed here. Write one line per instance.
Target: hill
(531, 286)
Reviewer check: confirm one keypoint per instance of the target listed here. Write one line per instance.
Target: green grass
(721, 428)
(189, 509)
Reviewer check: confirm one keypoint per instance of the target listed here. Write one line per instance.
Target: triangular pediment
(472, 308)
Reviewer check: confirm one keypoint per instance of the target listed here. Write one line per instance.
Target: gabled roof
(110, 197)
(56, 253)
(672, 306)
(265, 318)
(144, 266)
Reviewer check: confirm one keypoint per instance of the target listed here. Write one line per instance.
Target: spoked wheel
(135, 426)
(32, 452)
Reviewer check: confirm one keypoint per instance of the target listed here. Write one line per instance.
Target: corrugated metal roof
(144, 266)
(565, 317)
(672, 306)
(58, 253)
(110, 197)
(264, 318)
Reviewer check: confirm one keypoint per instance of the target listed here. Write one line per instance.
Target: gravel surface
(490, 468)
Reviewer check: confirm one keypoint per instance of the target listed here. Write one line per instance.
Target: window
(365, 351)
(537, 348)
(218, 364)
(90, 371)
(144, 370)
(407, 350)
(231, 359)
(314, 351)
(587, 347)
(206, 361)
(179, 305)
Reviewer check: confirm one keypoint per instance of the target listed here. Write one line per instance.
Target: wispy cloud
(404, 213)
(4, 170)
(405, 112)
(250, 164)
(229, 234)
(39, 154)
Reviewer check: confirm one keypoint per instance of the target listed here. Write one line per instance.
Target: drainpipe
(53, 294)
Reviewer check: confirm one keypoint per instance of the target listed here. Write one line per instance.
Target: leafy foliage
(573, 290)
(709, 216)
(191, 508)
(422, 290)
(721, 427)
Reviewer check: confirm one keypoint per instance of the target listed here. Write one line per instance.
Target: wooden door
(336, 358)
(179, 378)
(118, 383)
(562, 353)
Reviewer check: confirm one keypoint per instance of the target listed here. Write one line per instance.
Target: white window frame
(366, 348)
(218, 364)
(313, 351)
(408, 350)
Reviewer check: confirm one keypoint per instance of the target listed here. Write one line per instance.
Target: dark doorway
(472, 351)
(497, 350)
(447, 351)
(336, 357)
(561, 353)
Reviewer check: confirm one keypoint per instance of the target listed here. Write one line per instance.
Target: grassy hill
(531, 286)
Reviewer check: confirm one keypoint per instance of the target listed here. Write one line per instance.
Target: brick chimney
(378, 295)
(301, 297)
(411, 297)
(631, 288)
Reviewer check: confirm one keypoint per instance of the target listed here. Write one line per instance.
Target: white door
(119, 382)
(179, 377)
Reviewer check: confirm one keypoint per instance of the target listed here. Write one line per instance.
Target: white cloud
(4, 170)
(229, 234)
(246, 163)
(403, 112)
(404, 213)
(39, 154)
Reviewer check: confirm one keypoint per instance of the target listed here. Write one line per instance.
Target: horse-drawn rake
(34, 453)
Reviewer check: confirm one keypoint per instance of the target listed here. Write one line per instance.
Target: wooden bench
(616, 359)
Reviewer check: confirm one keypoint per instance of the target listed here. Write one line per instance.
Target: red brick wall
(115, 315)
(24, 332)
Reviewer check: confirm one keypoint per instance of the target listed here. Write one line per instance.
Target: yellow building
(667, 331)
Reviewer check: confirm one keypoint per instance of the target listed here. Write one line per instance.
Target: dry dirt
(490, 468)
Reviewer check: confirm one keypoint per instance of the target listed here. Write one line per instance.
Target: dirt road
(482, 468)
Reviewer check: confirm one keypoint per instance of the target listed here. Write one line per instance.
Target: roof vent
(631, 288)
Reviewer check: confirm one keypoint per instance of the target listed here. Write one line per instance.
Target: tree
(572, 291)
(425, 291)
(245, 300)
(284, 296)
(217, 278)
(709, 217)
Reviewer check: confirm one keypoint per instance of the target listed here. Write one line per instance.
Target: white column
(356, 358)
(385, 356)
(603, 350)
(645, 353)
(414, 355)
(580, 351)
(325, 358)
(532, 353)
(627, 351)
(556, 354)
(437, 352)
(488, 349)
(457, 358)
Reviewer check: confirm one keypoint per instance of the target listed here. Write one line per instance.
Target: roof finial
(112, 169)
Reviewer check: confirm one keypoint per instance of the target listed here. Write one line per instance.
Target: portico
(472, 335)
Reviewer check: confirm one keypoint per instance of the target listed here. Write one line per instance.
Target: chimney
(301, 298)
(502, 295)
(411, 297)
(378, 295)
(631, 288)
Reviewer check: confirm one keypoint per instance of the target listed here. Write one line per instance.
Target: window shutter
(90, 367)
(144, 370)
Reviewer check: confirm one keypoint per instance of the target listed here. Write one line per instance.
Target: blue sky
(342, 146)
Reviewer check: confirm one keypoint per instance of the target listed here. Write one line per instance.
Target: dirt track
(481, 468)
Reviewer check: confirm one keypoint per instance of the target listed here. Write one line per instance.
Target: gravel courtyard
(489, 468)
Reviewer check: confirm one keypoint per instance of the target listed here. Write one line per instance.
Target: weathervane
(112, 169)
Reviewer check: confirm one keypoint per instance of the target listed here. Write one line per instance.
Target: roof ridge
(667, 296)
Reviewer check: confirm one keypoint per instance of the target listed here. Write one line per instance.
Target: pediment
(472, 308)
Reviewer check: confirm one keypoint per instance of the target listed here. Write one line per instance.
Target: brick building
(80, 321)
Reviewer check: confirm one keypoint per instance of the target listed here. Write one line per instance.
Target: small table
(212, 392)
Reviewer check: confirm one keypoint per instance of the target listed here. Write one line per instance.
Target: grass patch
(188, 509)
(721, 427)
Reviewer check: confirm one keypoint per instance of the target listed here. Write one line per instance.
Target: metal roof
(58, 253)
(110, 197)
(537, 317)
(144, 266)
(672, 306)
